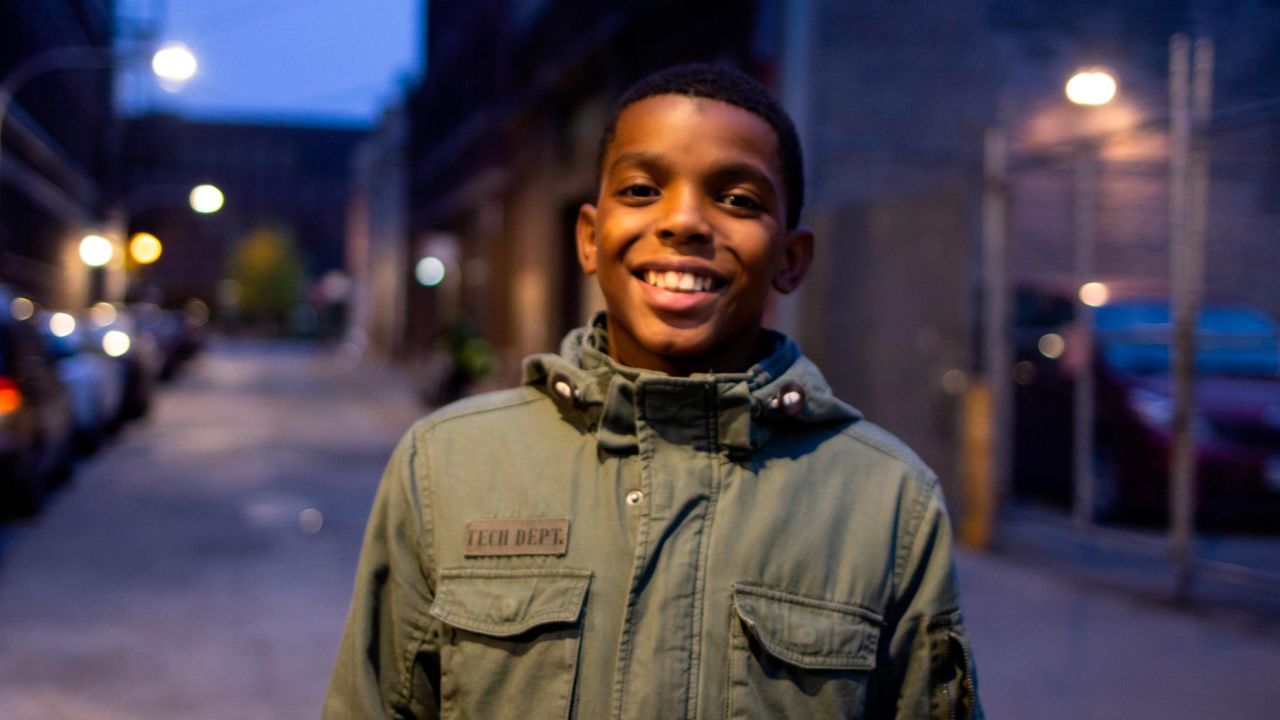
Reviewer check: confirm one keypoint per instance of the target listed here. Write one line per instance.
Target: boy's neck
(735, 356)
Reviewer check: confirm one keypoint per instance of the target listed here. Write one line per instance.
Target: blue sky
(295, 60)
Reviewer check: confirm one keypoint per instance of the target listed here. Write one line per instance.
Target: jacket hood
(782, 389)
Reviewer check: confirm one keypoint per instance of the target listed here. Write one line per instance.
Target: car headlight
(116, 343)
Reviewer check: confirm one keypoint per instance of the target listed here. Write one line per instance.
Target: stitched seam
(482, 573)
(904, 548)
(645, 453)
(526, 624)
(700, 577)
(443, 416)
(843, 608)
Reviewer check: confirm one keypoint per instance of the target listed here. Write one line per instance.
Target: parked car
(114, 329)
(94, 380)
(1237, 402)
(36, 421)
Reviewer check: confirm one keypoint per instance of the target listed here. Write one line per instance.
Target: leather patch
(516, 536)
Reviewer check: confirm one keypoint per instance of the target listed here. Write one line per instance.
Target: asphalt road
(201, 564)
(200, 567)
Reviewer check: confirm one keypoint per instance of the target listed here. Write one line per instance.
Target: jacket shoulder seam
(479, 405)
(908, 458)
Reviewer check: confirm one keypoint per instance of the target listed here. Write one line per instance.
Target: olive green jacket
(611, 543)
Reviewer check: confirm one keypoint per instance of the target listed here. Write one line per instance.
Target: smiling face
(688, 237)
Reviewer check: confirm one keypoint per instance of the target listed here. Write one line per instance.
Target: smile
(683, 282)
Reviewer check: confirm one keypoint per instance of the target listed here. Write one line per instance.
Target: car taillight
(10, 396)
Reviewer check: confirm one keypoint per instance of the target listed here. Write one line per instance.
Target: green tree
(270, 272)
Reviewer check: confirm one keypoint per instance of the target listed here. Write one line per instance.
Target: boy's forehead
(657, 122)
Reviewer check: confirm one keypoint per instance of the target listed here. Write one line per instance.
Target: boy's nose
(683, 219)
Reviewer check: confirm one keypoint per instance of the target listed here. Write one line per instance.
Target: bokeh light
(1092, 86)
(96, 250)
(22, 308)
(1094, 294)
(145, 248)
(206, 199)
(61, 324)
(116, 343)
(102, 314)
(429, 271)
(174, 62)
(1052, 345)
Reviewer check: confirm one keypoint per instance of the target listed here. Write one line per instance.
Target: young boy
(674, 517)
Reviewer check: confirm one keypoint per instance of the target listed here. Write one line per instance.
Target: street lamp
(96, 251)
(144, 248)
(1091, 86)
(206, 199)
(174, 63)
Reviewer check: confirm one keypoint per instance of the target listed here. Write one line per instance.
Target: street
(174, 576)
(200, 567)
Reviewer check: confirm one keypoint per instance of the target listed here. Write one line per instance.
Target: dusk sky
(296, 60)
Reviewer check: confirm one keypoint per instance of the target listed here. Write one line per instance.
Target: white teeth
(678, 281)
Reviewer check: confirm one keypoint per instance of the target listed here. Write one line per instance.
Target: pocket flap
(809, 633)
(503, 603)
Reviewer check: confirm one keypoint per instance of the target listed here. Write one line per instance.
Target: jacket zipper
(968, 677)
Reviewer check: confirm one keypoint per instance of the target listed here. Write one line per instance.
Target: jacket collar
(740, 411)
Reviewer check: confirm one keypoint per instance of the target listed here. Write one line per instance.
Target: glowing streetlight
(206, 199)
(1094, 294)
(96, 251)
(144, 248)
(174, 63)
(1091, 86)
(429, 271)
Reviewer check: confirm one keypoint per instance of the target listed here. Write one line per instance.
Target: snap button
(564, 387)
(806, 634)
(508, 607)
(635, 497)
(790, 398)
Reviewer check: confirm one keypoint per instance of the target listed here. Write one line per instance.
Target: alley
(200, 566)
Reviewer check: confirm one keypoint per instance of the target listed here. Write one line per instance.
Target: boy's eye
(741, 200)
(638, 190)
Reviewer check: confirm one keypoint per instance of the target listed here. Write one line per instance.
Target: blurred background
(244, 244)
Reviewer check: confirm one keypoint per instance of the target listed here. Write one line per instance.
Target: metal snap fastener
(508, 607)
(634, 497)
(790, 399)
(563, 386)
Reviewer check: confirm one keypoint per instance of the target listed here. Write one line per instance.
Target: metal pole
(996, 345)
(1191, 95)
(1085, 231)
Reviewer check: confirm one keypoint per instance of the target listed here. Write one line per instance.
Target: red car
(1237, 403)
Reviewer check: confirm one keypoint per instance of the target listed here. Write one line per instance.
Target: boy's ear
(585, 235)
(797, 255)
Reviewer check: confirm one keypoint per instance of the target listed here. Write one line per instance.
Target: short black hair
(727, 85)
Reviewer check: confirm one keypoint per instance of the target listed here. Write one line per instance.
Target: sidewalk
(1068, 628)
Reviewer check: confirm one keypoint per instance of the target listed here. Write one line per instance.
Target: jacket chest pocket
(797, 657)
(510, 645)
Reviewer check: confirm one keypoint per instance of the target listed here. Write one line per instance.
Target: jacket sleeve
(387, 663)
(926, 667)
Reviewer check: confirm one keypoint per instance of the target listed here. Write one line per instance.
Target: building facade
(57, 143)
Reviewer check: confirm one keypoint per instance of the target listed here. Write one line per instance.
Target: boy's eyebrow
(636, 157)
(734, 168)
